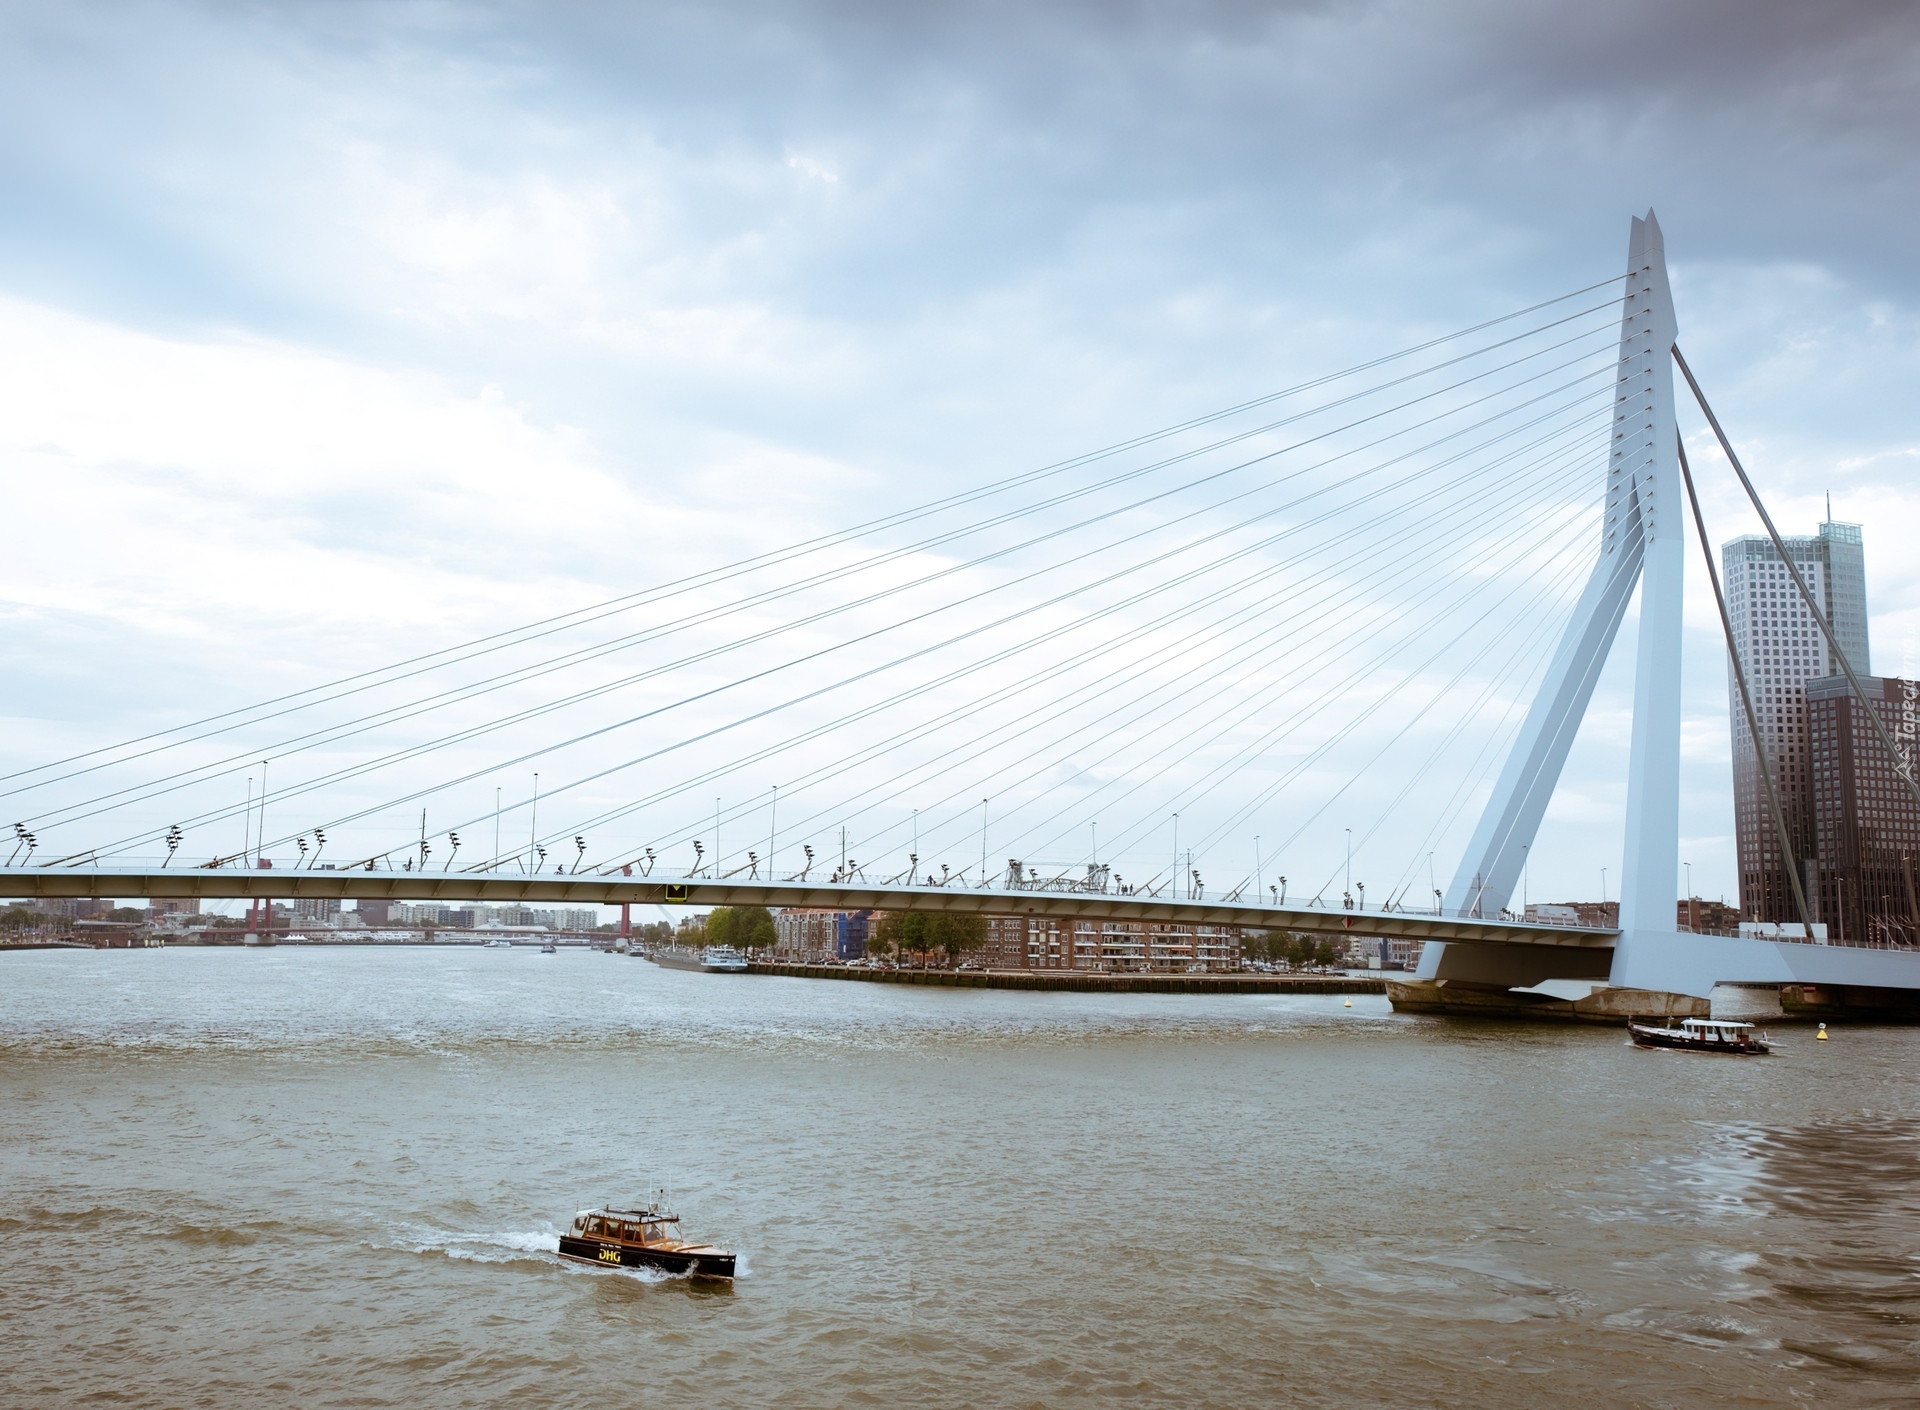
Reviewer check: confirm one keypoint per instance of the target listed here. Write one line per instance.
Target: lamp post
(983, 842)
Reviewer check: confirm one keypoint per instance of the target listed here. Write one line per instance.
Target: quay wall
(1073, 981)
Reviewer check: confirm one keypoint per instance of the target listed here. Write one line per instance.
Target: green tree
(753, 928)
(743, 927)
(890, 934)
(956, 935)
(917, 933)
(1305, 949)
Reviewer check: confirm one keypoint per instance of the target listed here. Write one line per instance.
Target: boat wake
(511, 1246)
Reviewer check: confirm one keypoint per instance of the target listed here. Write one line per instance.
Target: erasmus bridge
(1319, 596)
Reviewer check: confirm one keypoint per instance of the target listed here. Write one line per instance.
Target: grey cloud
(1785, 129)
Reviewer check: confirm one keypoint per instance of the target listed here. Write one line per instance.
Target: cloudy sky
(336, 333)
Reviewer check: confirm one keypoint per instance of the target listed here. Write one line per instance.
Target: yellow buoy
(1822, 1034)
(1350, 1005)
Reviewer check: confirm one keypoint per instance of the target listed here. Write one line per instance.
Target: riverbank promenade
(1086, 982)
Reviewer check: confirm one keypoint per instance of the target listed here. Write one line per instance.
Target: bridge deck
(231, 884)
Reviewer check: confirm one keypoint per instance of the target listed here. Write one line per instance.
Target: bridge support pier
(1602, 1003)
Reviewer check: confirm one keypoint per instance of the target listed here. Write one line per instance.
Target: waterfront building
(1596, 915)
(317, 910)
(1401, 953)
(428, 913)
(1865, 823)
(1697, 917)
(79, 908)
(1048, 942)
(1006, 944)
(465, 917)
(1781, 649)
(812, 936)
(1694, 914)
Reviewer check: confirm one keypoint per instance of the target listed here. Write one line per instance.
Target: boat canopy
(1723, 1023)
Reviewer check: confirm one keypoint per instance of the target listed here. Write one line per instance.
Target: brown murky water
(336, 1178)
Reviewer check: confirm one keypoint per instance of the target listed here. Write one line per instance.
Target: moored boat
(641, 1238)
(1701, 1035)
(673, 957)
(715, 959)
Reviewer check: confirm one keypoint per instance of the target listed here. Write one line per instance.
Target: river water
(335, 1178)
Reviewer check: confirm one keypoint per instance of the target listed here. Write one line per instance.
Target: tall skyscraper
(1782, 650)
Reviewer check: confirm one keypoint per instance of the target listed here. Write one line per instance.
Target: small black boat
(1702, 1035)
(637, 1238)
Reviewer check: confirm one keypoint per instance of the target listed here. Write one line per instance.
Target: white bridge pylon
(1641, 544)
